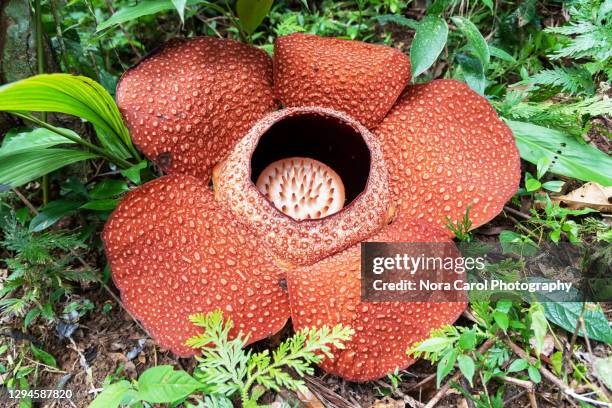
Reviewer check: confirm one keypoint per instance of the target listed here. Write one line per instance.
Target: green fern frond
(226, 369)
(570, 80)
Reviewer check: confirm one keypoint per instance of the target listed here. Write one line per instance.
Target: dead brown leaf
(387, 403)
(590, 195)
(309, 399)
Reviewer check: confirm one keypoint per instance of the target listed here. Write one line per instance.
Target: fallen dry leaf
(462, 403)
(603, 370)
(387, 403)
(309, 399)
(590, 195)
(548, 347)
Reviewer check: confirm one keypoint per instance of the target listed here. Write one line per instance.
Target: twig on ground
(322, 391)
(532, 399)
(566, 389)
(517, 213)
(421, 383)
(528, 385)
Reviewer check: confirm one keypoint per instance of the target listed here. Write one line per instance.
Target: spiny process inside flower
(302, 188)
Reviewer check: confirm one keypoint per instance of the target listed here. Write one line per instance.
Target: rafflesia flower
(262, 211)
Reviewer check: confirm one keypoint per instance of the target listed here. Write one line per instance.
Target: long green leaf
(148, 7)
(568, 157)
(179, 5)
(20, 141)
(133, 12)
(72, 95)
(473, 72)
(429, 40)
(23, 167)
(475, 40)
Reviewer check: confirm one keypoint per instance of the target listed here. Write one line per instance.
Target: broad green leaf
(163, 384)
(179, 5)
(553, 185)
(397, 19)
(437, 7)
(517, 365)
(445, 365)
(566, 314)
(539, 327)
(21, 141)
(52, 213)
(476, 41)
(108, 188)
(133, 173)
(140, 9)
(513, 243)
(501, 54)
(542, 166)
(467, 367)
(534, 374)
(429, 41)
(503, 306)
(467, 340)
(43, 356)
(556, 361)
(434, 344)
(532, 184)
(148, 7)
(73, 95)
(252, 12)
(20, 168)
(568, 157)
(112, 395)
(473, 72)
(101, 205)
(501, 319)
(488, 3)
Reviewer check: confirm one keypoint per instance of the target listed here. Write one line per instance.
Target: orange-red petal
(360, 79)
(328, 293)
(188, 104)
(446, 149)
(174, 252)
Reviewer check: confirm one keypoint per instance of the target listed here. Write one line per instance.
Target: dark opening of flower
(411, 154)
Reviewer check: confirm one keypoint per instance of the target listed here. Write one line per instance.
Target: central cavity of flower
(302, 188)
(310, 163)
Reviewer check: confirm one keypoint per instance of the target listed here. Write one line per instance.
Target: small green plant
(40, 271)
(558, 222)
(226, 370)
(458, 345)
(533, 184)
(461, 228)
(20, 366)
